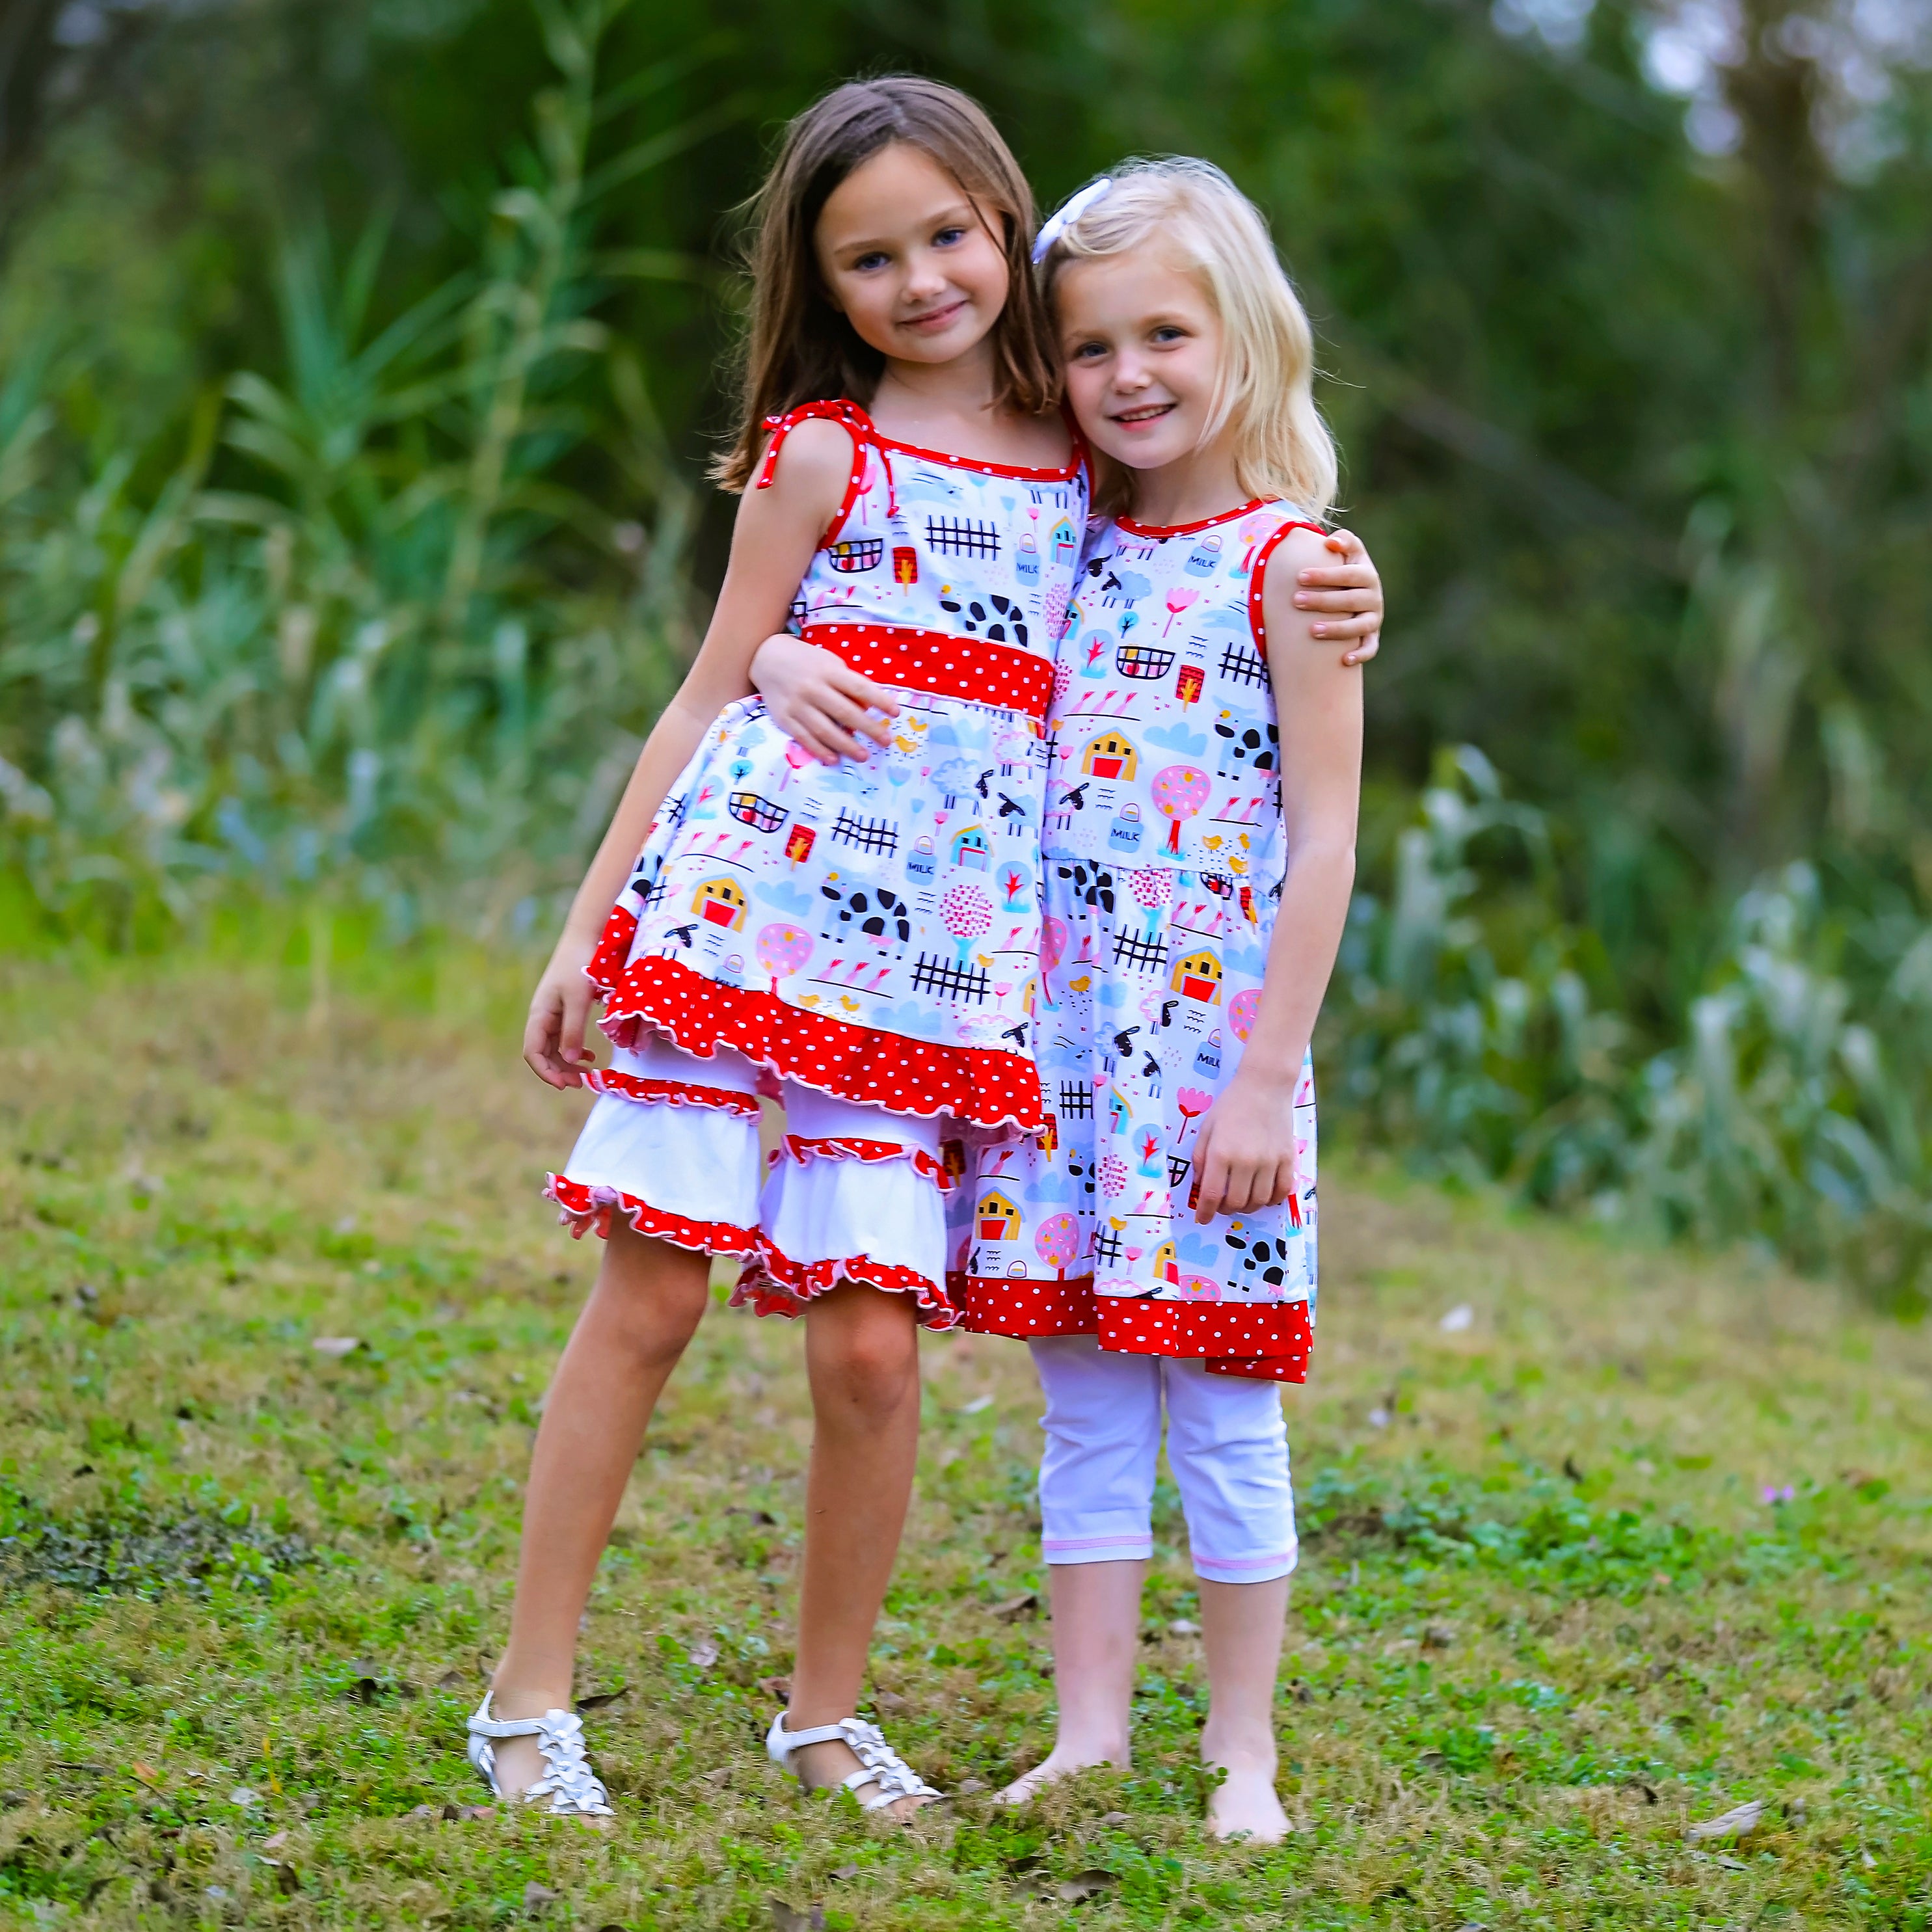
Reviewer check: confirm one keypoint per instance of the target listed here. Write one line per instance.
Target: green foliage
(1466, 1028)
(356, 569)
(406, 656)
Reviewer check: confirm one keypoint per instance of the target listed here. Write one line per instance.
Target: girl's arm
(816, 698)
(777, 530)
(1244, 1158)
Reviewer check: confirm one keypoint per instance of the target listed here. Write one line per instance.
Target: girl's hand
(814, 696)
(1244, 1155)
(553, 1041)
(1351, 589)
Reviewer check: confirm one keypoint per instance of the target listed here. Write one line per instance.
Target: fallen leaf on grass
(598, 1699)
(1014, 1608)
(890, 1700)
(977, 1405)
(797, 1918)
(450, 1680)
(1649, 1792)
(1114, 1818)
(1460, 1317)
(702, 1654)
(336, 1345)
(777, 1688)
(1184, 1627)
(1301, 1691)
(1431, 1760)
(537, 1897)
(845, 1871)
(146, 1773)
(1735, 1823)
(1437, 1636)
(275, 1843)
(763, 1518)
(969, 1786)
(1084, 1885)
(719, 1777)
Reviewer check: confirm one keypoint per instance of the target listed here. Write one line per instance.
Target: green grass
(1544, 1620)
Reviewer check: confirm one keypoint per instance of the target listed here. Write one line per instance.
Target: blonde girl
(1157, 1245)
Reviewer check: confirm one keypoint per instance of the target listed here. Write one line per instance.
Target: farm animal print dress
(1163, 855)
(863, 940)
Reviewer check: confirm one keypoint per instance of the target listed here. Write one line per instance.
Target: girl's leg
(1096, 1475)
(826, 1210)
(1229, 1448)
(647, 1302)
(1241, 1623)
(862, 1355)
(693, 1167)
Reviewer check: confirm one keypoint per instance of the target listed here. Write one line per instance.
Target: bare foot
(820, 1766)
(1064, 1761)
(1244, 1805)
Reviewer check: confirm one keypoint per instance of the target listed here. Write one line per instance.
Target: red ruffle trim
(1257, 1341)
(801, 1148)
(974, 1084)
(772, 1283)
(613, 949)
(582, 1209)
(673, 1093)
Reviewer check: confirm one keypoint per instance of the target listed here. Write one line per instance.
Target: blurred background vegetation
(358, 364)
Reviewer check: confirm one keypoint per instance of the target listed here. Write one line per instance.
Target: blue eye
(947, 237)
(876, 259)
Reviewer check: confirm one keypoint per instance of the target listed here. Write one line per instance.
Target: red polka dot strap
(939, 662)
(850, 417)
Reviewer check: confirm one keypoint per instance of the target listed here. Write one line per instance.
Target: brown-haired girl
(860, 939)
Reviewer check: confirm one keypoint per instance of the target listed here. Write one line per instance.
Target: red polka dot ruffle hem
(772, 1283)
(801, 1148)
(672, 1093)
(975, 1085)
(1257, 1341)
(583, 1209)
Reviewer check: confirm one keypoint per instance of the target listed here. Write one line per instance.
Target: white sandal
(573, 1789)
(880, 1765)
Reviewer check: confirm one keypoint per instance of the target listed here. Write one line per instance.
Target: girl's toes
(1244, 1806)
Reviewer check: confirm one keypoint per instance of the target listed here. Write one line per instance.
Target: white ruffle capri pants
(852, 1192)
(1227, 1445)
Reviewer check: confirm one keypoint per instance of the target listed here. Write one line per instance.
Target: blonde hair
(1191, 212)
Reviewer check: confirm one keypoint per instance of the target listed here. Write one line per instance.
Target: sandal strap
(780, 1743)
(880, 1765)
(567, 1782)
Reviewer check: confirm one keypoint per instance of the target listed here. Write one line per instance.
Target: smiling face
(1141, 344)
(908, 259)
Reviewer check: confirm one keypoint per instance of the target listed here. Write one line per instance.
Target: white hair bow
(1069, 212)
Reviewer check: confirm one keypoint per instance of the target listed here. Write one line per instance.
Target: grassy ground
(1545, 1619)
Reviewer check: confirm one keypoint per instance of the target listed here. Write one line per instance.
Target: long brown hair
(799, 349)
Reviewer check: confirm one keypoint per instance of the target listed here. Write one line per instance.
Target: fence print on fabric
(963, 536)
(964, 985)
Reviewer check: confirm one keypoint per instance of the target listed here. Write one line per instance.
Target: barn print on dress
(873, 929)
(1163, 857)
